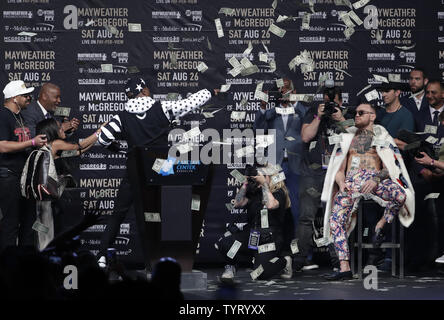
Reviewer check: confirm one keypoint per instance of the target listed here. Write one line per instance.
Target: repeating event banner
(90, 47)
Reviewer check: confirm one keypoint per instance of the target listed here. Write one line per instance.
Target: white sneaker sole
(310, 267)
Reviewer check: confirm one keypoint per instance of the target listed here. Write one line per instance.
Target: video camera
(252, 185)
(331, 92)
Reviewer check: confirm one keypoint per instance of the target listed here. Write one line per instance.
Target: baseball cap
(16, 88)
(134, 86)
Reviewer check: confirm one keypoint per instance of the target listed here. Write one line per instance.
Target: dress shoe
(335, 276)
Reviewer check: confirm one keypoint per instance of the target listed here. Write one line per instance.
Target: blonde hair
(281, 185)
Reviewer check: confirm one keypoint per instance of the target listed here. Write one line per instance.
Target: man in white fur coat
(366, 164)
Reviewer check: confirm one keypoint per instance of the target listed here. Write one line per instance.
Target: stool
(358, 245)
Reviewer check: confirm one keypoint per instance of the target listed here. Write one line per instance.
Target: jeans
(18, 214)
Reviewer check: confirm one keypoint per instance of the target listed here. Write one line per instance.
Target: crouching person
(265, 197)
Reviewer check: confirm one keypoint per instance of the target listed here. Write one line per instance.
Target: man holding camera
(318, 125)
(265, 197)
(286, 119)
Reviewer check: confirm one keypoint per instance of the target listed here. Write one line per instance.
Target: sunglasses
(27, 96)
(360, 112)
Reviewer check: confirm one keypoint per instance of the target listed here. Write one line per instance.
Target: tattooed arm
(267, 198)
(240, 200)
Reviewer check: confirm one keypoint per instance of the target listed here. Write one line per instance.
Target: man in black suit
(422, 239)
(416, 101)
(44, 107)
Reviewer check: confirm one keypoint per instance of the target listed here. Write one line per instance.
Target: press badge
(253, 241)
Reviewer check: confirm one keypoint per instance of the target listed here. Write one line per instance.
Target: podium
(168, 227)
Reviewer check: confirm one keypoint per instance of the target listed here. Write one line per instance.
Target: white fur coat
(389, 153)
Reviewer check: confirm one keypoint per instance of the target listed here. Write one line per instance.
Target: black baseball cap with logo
(134, 86)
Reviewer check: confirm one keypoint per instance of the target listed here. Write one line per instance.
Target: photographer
(286, 120)
(318, 125)
(262, 237)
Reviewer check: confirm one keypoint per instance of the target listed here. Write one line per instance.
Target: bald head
(49, 96)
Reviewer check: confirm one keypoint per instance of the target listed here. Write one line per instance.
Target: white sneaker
(310, 266)
(440, 259)
(229, 273)
(102, 262)
(288, 270)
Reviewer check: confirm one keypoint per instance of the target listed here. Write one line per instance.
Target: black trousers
(18, 214)
(124, 201)
(270, 265)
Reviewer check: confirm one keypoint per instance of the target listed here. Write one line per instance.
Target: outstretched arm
(182, 107)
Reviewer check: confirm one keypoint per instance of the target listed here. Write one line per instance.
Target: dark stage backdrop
(90, 47)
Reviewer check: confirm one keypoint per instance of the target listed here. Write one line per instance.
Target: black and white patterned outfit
(143, 119)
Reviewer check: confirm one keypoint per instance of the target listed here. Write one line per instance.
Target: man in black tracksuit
(143, 119)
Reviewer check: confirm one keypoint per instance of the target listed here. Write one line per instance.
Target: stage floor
(309, 285)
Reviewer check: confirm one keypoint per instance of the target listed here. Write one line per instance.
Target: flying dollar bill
(39, 227)
(272, 65)
(158, 163)
(209, 45)
(268, 247)
(355, 18)
(69, 153)
(306, 21)
(172, 96)
(280, 83)
(195, 202)
(406, 48)
(237, 70)
(274, 4)
(250, 70)
(184, 148)
(62, 111)
(244, 151)
(274, 29)
(277, 178)
(108, 68)
(380, 78)
(238, 115)
(133, 69)
(202, 67)
(227, 11)
(432, 196)
(246, 63)
(238, 176)
(284, 111)
(134, 27)
(234, 62)
(360, 4)
(348, 32)
(225, 87)
(27, 34)
(191, 133)
(257, 272)
(372, 95)
(152, 217)
(249, 49)
(263, 57)
(394, 77)
(294, 246)
(220, 31)
(234, 249)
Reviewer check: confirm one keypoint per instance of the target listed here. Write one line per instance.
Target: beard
(416, 90)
